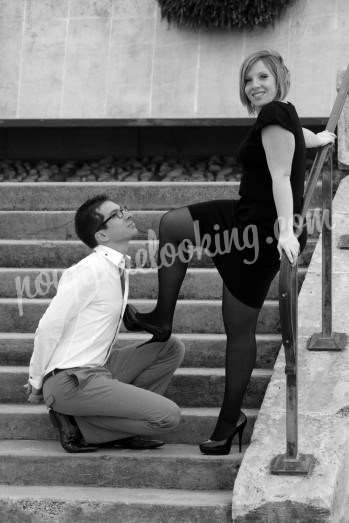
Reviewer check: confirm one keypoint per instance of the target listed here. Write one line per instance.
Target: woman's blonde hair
(274, 61)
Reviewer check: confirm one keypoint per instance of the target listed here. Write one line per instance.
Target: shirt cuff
(36, 383)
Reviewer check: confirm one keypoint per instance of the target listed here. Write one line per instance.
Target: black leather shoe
(133, 442)
(133, 323)
(69, 433)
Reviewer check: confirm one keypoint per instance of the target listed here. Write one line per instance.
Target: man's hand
(34, 395)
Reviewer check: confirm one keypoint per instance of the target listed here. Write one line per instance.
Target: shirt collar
(115, 257)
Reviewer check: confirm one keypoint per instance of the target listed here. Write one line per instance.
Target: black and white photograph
(174, 261)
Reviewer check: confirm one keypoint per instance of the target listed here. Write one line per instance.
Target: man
(98, 396)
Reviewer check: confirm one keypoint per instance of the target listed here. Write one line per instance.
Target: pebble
(214, 168)
(109, 168)
(145, 176)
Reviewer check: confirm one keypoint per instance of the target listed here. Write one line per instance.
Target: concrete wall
(117, 58)
(343, 130)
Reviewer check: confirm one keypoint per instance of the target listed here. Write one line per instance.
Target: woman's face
(260, 85)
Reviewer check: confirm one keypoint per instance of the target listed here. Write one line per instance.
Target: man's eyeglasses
(118, 213)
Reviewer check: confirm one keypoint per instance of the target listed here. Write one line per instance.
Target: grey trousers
(124, 397)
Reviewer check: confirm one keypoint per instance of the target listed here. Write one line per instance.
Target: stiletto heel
(133, 323)
(223, 447)
(240, 432)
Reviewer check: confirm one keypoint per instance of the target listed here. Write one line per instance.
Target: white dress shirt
(83, 319)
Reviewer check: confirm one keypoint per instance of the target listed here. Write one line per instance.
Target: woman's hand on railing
(290, 245)
(325, 137)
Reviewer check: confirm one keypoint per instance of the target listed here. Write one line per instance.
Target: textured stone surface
(86, 68)
(43, 463)
(316, 29)
(201, 350)
(10, 44)
(49, 253)
(343, 129)
(91, 8)
(200, 315)
(110, 505)
(59, 225)
(157, 168)
(139, 195)
(41, 76)
(32, 422)
(323, 414)
(175, 66)
(148, 68)
(198, 284)
(130, 66)
(218, 80)
(188, 387)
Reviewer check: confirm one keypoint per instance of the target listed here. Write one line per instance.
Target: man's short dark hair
(88, 220)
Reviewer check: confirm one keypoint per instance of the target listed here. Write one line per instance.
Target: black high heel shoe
(133, 323)
(223, 447)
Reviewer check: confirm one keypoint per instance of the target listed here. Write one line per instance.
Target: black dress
(241, 235)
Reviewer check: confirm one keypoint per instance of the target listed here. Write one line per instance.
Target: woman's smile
(260, 84)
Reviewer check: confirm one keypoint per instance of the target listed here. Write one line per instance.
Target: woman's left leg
(240, 322)
(176, 226)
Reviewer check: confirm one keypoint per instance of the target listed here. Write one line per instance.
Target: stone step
(191, 315)
(32, 462)
(201, 350)
(113, 505)
(59, 225)
(198, 284)
(25, 421)
(62, 254)
(190, 387)
(136, 195)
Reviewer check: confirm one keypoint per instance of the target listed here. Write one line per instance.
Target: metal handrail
(292, 462)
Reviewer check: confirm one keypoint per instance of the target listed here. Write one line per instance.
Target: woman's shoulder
(277, 107)
(277, 113)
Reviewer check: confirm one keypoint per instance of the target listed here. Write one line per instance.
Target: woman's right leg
(240, 322)
(175, 226)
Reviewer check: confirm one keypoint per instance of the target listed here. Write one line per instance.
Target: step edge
(52, 449)
(40, 409)
(182, 371)
(85, 493)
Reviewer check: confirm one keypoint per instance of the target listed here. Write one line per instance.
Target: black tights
(239, 319)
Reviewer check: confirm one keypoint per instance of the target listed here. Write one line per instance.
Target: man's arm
(76, 289)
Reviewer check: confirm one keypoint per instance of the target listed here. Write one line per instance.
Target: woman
(271, 191)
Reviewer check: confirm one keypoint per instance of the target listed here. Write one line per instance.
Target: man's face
(117, 229)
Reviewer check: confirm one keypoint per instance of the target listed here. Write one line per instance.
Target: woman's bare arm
(319, 139)
(279, 146)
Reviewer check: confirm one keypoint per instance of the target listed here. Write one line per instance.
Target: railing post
(326, 339)
(291, 462)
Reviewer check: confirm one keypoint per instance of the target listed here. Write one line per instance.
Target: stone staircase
(38, 481)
